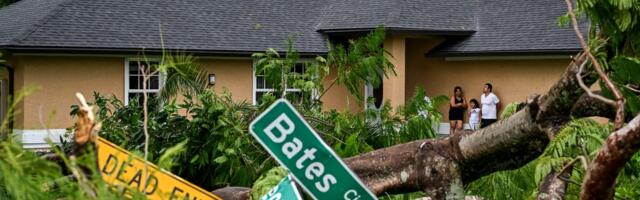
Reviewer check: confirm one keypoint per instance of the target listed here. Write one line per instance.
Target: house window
(262, 86)
(134, 80)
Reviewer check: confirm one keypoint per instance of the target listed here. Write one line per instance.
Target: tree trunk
(440, 166)
(603, 170)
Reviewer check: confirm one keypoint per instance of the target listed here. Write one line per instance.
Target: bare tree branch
(588, 90)
(619, 99)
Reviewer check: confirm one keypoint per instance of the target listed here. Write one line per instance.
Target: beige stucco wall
(58, 79)
(513, 80)
(337, 96)
(232, 75)
(393, 87)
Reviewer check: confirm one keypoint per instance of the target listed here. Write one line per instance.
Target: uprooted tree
(440, 167)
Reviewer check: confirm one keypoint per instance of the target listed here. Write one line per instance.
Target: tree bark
(620, 146)
(560, 99)
(588, 106)
(554, 185)
(232, 193)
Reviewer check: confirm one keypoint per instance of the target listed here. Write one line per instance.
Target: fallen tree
(441, 167)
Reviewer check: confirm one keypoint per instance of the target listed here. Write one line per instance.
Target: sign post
(295, 145)
(285, 190)
(121, 168)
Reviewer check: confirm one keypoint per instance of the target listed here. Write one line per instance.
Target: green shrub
(267, 181)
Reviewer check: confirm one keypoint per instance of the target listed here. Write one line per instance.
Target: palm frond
(183, 74)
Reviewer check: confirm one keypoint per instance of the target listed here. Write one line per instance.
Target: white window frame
(256, 89)
(126, 78)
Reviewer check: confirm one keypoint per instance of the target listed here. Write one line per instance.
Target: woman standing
(457, 105)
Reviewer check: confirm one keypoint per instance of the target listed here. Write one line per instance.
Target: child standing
(474, 115)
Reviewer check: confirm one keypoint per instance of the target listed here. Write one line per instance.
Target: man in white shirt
(489, 103)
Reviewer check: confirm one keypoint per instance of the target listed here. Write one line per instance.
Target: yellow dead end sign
(121, 168)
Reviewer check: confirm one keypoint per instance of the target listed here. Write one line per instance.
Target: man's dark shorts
(487, 122)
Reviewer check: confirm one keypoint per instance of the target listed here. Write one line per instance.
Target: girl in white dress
(474, 115)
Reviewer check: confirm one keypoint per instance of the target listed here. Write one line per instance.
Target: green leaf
(230, 151)
(194, 159)
(632, 101)
(220, 159)
(166, 160)
(626, 69)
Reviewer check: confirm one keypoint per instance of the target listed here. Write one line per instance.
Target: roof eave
(397, 30)
(508, 52)
(150, 51)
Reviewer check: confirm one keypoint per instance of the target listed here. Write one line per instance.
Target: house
(68, 46)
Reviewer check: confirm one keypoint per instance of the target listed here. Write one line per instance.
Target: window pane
(268, 85)
(299, 68)
(260, 82)
(133, 82)
(133, 68)
(154, 82)
(140, 80)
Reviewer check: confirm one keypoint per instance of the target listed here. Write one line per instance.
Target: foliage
(267, 181)
(25, 175)
(584, 137)
(217, 148)
(363, 62)
(280, 74)
(581, 137)
(614, 39)
(183, 74)
(509, 110)
(218, 151)
(509, 184)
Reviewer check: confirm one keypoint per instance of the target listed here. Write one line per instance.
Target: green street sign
(285, 190)
(296, 146)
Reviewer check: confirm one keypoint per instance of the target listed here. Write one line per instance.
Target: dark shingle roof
(22, 17)
(244, 26)
(430, 15)
(515, 26)
(222, 25)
